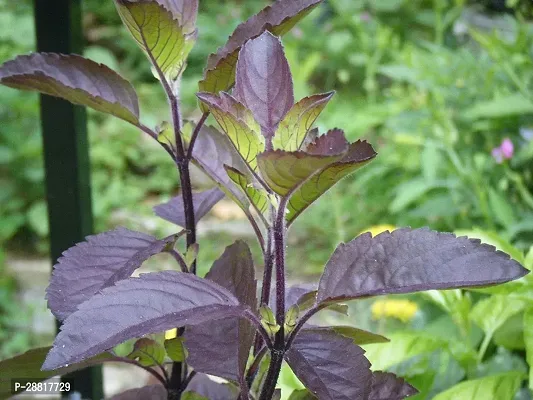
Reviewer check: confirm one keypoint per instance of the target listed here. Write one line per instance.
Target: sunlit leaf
(410, 260)
(264, 81)
(330, 365)
(285, 172)
(359, 154)
(293, 129)
(221, 348)
(278, 18)
(256, 195)
(99, 262)
(492, 312)
(501, 387)
(174, 210)
(135, 307)
(247, 142)
(158, 33)
(386, 386)
(75, 79)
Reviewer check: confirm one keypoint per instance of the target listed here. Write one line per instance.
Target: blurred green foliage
(435, 85)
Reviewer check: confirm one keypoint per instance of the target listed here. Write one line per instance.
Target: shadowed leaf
(204, 386)
(333, 142)
(359, 336)
(174, 211)
(256, 195)
(285, 172)
(410, 260)
(221, 348)
(148, 352)
(75, 79)
(359, 154)
(247, 142)
(158, 33)
(28, 366)
(264, 81)
(278, 18)
(501, 387)
(99, 262)
(302, 394)
(152, 392)
(135, 307)
(293, 129)
(330, 365)
(386, 386)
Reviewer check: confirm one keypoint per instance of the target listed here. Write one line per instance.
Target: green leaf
(360, 336)
(158, 33)
(284, 171)
(148, 352)
(511, 334)
(402, 347)
(501, 387)
(528, 339)
(28, 365)
(293, 128)
(502, 210)
(192, 396)
(257, 196)
(75, 79)
(248, 142)
(303, 394)
(176, 350)
(511, 105)
(492, 312)
(359, 154)
(278, 18)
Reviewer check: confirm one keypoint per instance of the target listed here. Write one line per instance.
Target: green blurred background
(442, 88)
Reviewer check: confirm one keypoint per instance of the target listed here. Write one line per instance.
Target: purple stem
(196, 132)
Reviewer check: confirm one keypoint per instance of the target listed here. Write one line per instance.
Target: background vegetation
(443, 88)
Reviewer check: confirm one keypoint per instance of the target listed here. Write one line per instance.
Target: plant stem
(177, 256)
(269, 386)
(484, 346)
(195, 134)
(267, 283)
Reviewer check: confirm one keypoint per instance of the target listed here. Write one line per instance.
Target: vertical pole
(66, 154)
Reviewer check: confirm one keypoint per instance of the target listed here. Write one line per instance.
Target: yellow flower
(404, 310)
(377, 229)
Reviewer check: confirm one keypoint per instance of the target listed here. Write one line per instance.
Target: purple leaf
(208, 388)
(264, 81)
(278, 18)
(174, 212)
(99, 262)
(294, 128)
(135, 307)
(221, 348)
(331, 366)
(410, 260)
(152, 392)
(184, 11)
(333, 142)
(386, 386)
(75, 79)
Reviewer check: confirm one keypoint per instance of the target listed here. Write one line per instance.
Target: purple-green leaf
(75, 79)
(152, 392)
(173, 211)
(359, 154)
(156, 29)
(293, 129)
(285, 172)
(278, 18)
(99, 262)
(221, 348)
(411, 260)
(184, 11)
(387, 386)
(264, 81)
(359, 336)
(135, 307)
(256, 194)
(331, 366)
(204, 386)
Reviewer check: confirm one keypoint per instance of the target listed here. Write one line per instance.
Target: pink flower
(504, 152)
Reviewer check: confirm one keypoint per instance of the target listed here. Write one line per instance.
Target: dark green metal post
(66, 154)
